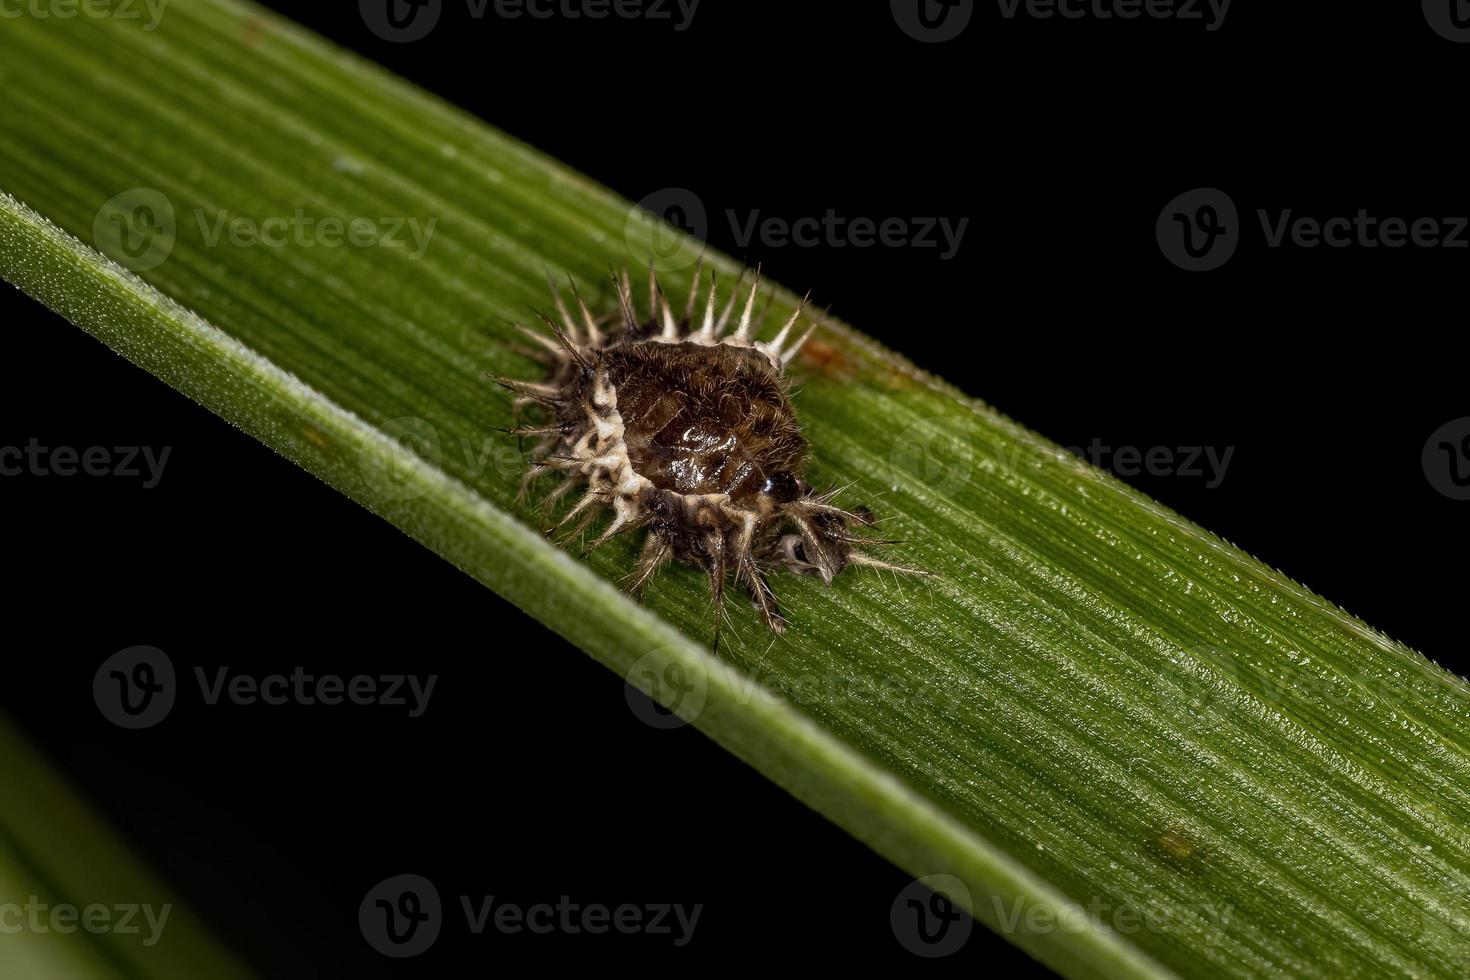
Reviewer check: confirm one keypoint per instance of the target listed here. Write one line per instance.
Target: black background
(529, 778)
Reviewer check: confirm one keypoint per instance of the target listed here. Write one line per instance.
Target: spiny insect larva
(686, 429)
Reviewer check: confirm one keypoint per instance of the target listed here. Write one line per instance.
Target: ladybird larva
(685, 427)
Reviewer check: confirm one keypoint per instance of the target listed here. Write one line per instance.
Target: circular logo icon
(932, 21)
(663, 692)
(1190, 688)
(401, 21)
(926, 922)
(137, 229)
(1450, 19)
(1446, 459)
(401, 916)
(937, 451)
(1198, 230)
(134, 688)
(396, 468)
(658, 229)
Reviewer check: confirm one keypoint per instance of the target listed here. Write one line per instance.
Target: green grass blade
(1140, 750)
(511, 558)
(57, 856)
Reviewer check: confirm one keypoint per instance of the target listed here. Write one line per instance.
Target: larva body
(684, 427)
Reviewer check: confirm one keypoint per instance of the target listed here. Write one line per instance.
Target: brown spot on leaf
(1177, 846)
(825, 358)
(315, 437)
(252, 32)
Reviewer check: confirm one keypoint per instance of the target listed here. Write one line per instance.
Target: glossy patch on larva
(684, 427)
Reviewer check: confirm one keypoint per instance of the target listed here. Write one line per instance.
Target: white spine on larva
(712, 328)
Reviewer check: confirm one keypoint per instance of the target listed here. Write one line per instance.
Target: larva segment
(682, 424)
